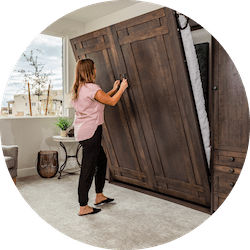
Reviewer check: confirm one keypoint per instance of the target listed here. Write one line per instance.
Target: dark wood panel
(148, 66)
(180, 184)
(152, 135)
(219, 198)
(145, 27)
(163, 196)
(231, 111)
(227, 169)
(131, 181)
(229, 158)
(93, 48)
(112, 160)
(143, 35)
(178, 188)
(224, 182)
(122, 129)
(131, 111)
(140, 19)
(129, 171)
(141, 106)
(130, 57)
(185, 196)
(89, 36)
(231, 154)
(230, 124)
(116, 120)
(248, 126)
(186, 105)
(159, 109)
(104, 145)
(214, 107)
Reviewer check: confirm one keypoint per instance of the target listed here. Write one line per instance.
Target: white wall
(68, 29)
(32, 135)
(122, 15)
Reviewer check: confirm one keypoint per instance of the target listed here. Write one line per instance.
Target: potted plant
(63, 123)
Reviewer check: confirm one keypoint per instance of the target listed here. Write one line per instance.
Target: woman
(89, 101)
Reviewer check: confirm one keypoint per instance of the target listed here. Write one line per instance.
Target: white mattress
(196, 83)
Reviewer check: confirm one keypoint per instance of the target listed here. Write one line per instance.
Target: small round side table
(62, 140)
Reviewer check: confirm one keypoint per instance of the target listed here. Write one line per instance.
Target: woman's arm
(115, 87)
(104, 98)
(111, 92)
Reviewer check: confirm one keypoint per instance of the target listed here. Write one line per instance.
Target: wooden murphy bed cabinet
(230, 125)
(152, 136)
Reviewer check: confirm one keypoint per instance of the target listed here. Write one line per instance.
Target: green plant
(63, 122)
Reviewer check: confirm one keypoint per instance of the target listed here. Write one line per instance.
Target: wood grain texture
(228, 170)
(152, 135)
(224, 182)
(231, 115)
(230, 124)
(180, 184)
(140, 19)
(186, 104)
(143, 35)
(131, 112)
(146, 54)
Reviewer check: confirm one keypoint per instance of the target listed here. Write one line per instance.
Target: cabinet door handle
(231, 159)
(231, 184)
(215, 87)
(121, 76)
(231, 170)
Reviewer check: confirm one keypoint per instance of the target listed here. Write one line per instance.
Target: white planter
(63, 133)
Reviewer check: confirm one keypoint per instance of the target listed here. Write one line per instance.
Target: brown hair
(84, 73)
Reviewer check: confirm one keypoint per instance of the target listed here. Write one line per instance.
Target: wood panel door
(122, 132)
(152, 136)
(231, 111)
(230, 119)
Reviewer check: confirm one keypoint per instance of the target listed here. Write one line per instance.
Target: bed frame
(152, 137)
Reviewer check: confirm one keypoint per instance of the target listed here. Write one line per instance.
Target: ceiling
(94, 11)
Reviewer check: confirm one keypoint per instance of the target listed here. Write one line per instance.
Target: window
(37, 79)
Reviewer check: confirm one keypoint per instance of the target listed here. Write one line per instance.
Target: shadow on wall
(27, 134)
(31, 135)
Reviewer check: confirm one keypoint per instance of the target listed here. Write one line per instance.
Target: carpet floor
(133, 221)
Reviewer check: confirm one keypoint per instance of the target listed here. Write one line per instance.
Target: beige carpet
(134, 221)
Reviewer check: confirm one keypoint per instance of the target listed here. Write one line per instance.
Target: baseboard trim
(26, 172)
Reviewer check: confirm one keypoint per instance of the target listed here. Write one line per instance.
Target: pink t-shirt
(89, 112)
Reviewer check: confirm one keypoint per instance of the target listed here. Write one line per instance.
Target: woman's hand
(105, 98)
(116, 85)
(124, 84)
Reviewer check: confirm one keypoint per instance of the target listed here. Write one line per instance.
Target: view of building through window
(36, 83)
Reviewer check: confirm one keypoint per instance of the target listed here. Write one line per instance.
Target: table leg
(69, 156)
(66, 158)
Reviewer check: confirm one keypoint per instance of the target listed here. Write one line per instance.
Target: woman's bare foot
(85, 210)
(99, 198)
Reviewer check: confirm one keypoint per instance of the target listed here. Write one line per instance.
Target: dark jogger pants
(94, 162)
